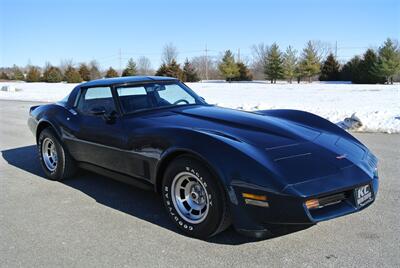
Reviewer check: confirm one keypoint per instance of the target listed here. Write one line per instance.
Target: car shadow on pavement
(139, 203)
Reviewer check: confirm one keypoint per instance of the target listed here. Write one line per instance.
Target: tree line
(380, 66)
(68, 72)
(269, 62)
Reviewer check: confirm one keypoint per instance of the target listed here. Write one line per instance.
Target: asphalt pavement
(93, 221)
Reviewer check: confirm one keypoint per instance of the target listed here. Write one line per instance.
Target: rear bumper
(286, 209)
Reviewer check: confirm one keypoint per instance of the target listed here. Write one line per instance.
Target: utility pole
(336, 50)
(206, 52)
(238, 55)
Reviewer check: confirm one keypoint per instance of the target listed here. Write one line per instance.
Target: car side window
(96, 97)
(133, 98)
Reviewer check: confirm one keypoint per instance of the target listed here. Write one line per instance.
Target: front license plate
(363, 195)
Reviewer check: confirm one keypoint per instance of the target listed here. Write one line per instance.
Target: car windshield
(156, 95)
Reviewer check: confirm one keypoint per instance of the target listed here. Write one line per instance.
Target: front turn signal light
(254, 196)
(312, 203)
(255, 200)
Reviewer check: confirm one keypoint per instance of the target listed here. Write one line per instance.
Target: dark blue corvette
(213, 166)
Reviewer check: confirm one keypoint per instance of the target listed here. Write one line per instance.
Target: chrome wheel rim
(190, 197)
(49, 154)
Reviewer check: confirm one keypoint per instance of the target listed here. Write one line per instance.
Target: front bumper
(344, 207)
(290, 209)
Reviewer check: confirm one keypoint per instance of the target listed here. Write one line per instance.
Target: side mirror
(98, 111)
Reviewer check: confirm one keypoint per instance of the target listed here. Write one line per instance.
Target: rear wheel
(55, 160)
(194, 199)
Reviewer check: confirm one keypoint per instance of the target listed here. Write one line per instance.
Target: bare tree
(144, 66)
(322, 48)
(65, 63)
(259, 53)
(202, 64)
(170, 53)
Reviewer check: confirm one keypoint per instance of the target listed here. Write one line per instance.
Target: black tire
(65, 167)
(217, 219)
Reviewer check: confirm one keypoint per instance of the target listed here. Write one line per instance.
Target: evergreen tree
(244, 73)
(309, 64)
(52, 74)
(389, 61)
(111, 73)
(94, 70)
(351, 70)
(330, 69)
(368, 72)
(346, 71)
(4, 76)
(162, 71)
(273, 68)
(84, 72)
(172, 69)
(298, 73)
(71, 75)
(45, 72)
(362, 71)
(17, 73)
(290, 64)
(189, 73)
(33, 74)
(130, 69)
(228, 67)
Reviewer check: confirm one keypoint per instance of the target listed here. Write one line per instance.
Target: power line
(160, 53)
(353, 47)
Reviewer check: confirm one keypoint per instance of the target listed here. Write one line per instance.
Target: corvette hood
(279, 137)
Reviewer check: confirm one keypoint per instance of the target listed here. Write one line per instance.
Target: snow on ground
(47, 92)
(377, 106)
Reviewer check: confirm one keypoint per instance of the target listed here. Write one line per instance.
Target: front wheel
(194, 199)
(55, 160)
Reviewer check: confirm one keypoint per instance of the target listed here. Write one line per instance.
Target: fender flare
(42, 125)
(170, 154)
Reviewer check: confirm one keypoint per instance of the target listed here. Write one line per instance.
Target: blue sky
(52, 30)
